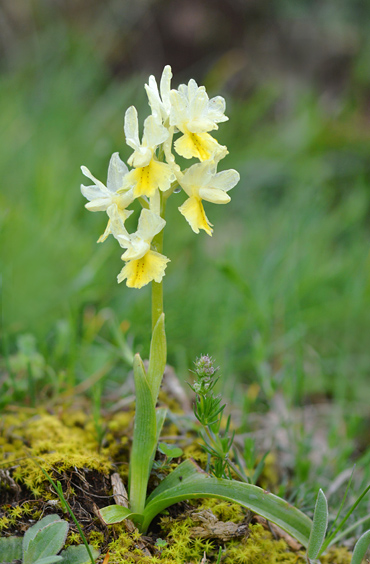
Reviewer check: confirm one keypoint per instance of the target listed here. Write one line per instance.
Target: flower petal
(179, 109)
(131, 128)
(136, 248)
(193, 211)
(140, 272)
(154, 133)
(99, 184)
(117, 171)
(124, 214)
(98, 204)
(226, 179)
(149, 225)
(199, 145)
(146, 180)
(216, 109)
(165, 87)
(93, 192)
(214, 195)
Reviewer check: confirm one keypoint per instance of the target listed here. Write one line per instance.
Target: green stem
(157, 288)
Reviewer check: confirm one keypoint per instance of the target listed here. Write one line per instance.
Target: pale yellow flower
(117, 192)
(202, 182)
(194, 114)
(148, 174)
(142, 263)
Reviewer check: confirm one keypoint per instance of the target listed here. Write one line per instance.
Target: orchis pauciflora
(190, 115)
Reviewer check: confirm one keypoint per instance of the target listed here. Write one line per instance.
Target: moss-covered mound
(67, 444)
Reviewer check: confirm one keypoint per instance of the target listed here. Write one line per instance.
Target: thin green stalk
(58, 489)
(157, 288)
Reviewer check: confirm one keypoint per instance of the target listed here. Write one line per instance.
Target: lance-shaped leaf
(360, 549)
(157, 357)
(319, 526)
(187, 482)
(160, 414)
(144, 439)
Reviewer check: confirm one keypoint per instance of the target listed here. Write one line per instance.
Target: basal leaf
(319, 526)
(49, 560)
(144, 439)
(48, 541)
(78, 554)
(360, 549)
(191, 485)
(32, 531)
(10, 549)
(116, 513)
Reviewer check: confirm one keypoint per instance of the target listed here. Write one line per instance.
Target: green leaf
(170, 451)
(157, 357)
(160, 414)
(78, 554)
(361, 547)
(144, 439)
(182, 473)
(10, 549)
(319, 526)
(185, 483)
(48, 560)
(32, 531)
(48, 541)
(116, 513)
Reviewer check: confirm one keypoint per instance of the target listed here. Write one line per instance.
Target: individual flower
(142, 263)
(159, 100)
(202, 182)
(148, 174)
(194, 114)
(116, 193)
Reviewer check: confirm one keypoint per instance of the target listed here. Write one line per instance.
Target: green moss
(181, 548)
(224, 510)
(96, 539)
(260, 548)
(197, 453)
(57, 443)
(336, 556)
(4, 523)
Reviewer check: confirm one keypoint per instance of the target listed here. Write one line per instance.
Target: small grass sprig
(209, 411)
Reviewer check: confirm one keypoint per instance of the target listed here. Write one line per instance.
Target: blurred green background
(280, 295)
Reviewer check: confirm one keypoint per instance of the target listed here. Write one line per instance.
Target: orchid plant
(180, 124)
